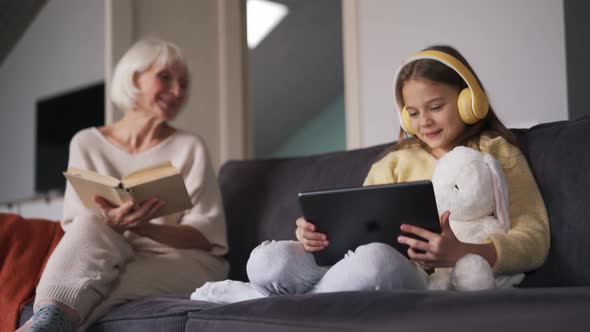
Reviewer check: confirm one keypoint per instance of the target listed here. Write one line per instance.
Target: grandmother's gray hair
(141, 56)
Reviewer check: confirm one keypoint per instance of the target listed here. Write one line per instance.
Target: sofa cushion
(492, 310)
(559, 156)
(25, 246)
(163, 313)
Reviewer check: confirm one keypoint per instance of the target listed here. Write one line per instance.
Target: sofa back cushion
(559, 156)
(260, 196)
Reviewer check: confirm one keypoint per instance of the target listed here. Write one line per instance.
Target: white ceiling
(15, 17)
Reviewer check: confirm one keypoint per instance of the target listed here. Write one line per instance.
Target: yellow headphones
(472, 102)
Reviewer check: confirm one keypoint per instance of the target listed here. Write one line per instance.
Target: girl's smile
(433, 134)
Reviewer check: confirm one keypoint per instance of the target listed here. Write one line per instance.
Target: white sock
(227, 291)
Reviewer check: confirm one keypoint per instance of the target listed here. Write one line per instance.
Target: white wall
(49, 207)
(517, 48)
(61, 50)
(194, 29)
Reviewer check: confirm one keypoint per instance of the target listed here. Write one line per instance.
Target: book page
(87, 189)
(92, 176)
(170, 189)
(161, 180)
(148, 174)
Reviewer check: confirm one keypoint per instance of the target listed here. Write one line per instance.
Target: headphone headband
(479, 100)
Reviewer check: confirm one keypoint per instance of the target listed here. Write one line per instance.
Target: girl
(442, 104)
(122, 253)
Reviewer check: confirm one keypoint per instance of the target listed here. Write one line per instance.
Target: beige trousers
(94, 268)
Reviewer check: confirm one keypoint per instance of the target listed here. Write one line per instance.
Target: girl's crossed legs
(285, 268)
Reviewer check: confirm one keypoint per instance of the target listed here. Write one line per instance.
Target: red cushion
(25, 246)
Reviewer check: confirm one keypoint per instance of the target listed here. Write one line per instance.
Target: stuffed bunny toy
(472, 186)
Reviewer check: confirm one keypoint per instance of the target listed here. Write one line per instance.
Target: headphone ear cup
(465, 109)
(406, 122)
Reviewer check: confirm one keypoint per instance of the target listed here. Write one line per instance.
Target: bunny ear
(500, 190)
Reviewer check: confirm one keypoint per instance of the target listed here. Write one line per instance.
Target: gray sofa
(260, 198)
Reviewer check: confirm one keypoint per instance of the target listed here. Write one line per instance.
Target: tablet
(351, 217)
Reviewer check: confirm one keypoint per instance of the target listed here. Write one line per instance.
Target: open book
(162, 180)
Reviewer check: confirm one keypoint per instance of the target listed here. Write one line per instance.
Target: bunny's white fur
(472, 186)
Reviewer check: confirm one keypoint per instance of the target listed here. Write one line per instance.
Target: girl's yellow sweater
(526, 244)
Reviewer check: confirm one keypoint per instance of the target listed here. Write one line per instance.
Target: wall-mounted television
(59, 117)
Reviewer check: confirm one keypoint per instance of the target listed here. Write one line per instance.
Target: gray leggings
(285, 268)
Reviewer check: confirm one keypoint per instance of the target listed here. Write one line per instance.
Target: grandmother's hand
(128, 215)
(306, 234)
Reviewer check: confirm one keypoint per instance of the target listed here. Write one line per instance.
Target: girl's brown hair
(438, 72)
